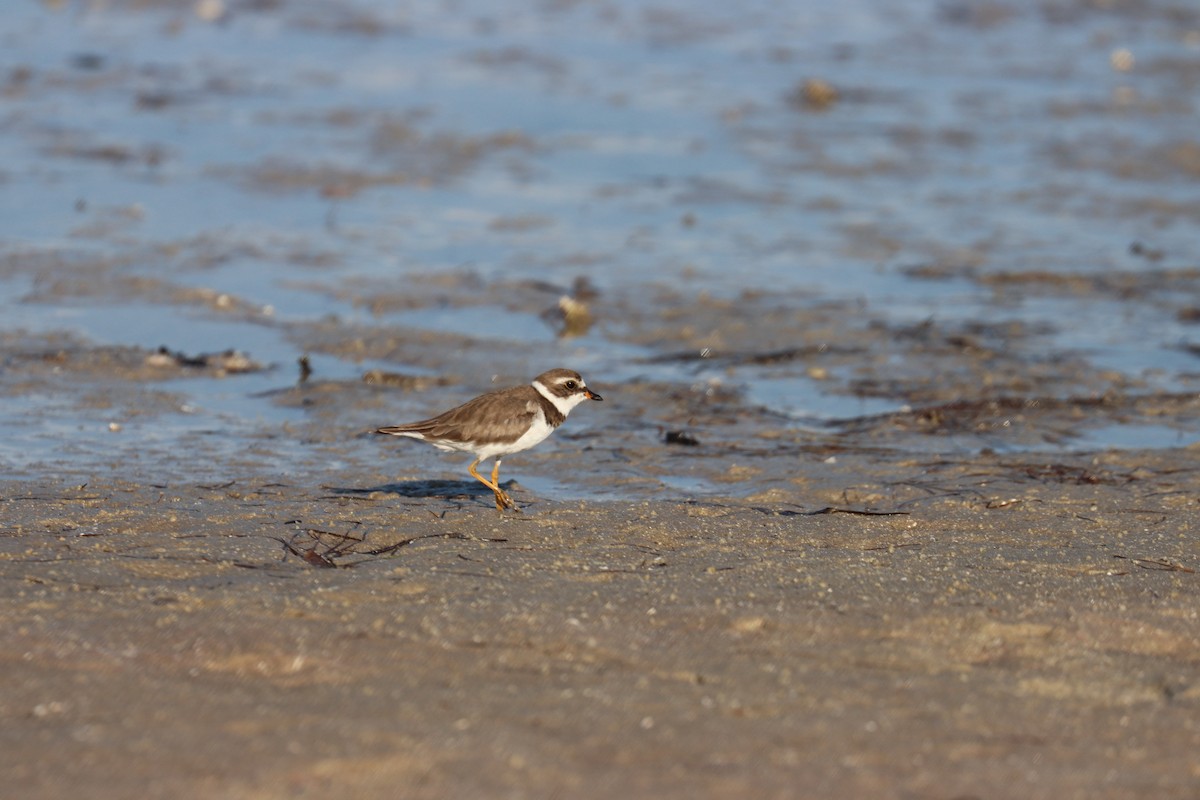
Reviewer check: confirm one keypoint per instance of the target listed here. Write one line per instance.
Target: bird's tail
(399, 430)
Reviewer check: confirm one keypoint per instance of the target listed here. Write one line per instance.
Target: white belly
(536, 434)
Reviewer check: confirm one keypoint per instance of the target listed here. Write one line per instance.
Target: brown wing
(496, 416)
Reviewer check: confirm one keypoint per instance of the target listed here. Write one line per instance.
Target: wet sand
(988, 630)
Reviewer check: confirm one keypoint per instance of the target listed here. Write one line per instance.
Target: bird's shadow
(442, 489)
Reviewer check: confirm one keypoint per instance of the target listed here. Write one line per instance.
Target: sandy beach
(893, 492)
(980, 633)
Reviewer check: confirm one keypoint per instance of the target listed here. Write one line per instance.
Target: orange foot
(503, 501)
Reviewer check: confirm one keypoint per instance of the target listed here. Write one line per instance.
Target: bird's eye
(570, 384)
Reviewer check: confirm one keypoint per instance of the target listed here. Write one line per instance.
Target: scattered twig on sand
(1159, 564)
(866, 512)
(324, 548)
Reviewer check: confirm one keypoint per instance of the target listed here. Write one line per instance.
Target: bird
(502, 422)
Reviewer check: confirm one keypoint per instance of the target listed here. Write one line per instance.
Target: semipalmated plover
(502, 422)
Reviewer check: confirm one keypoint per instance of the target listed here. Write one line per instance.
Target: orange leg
(503, 501)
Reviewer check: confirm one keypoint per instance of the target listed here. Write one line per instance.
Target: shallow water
(444, 172)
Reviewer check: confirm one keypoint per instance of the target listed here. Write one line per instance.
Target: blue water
(649, 144)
